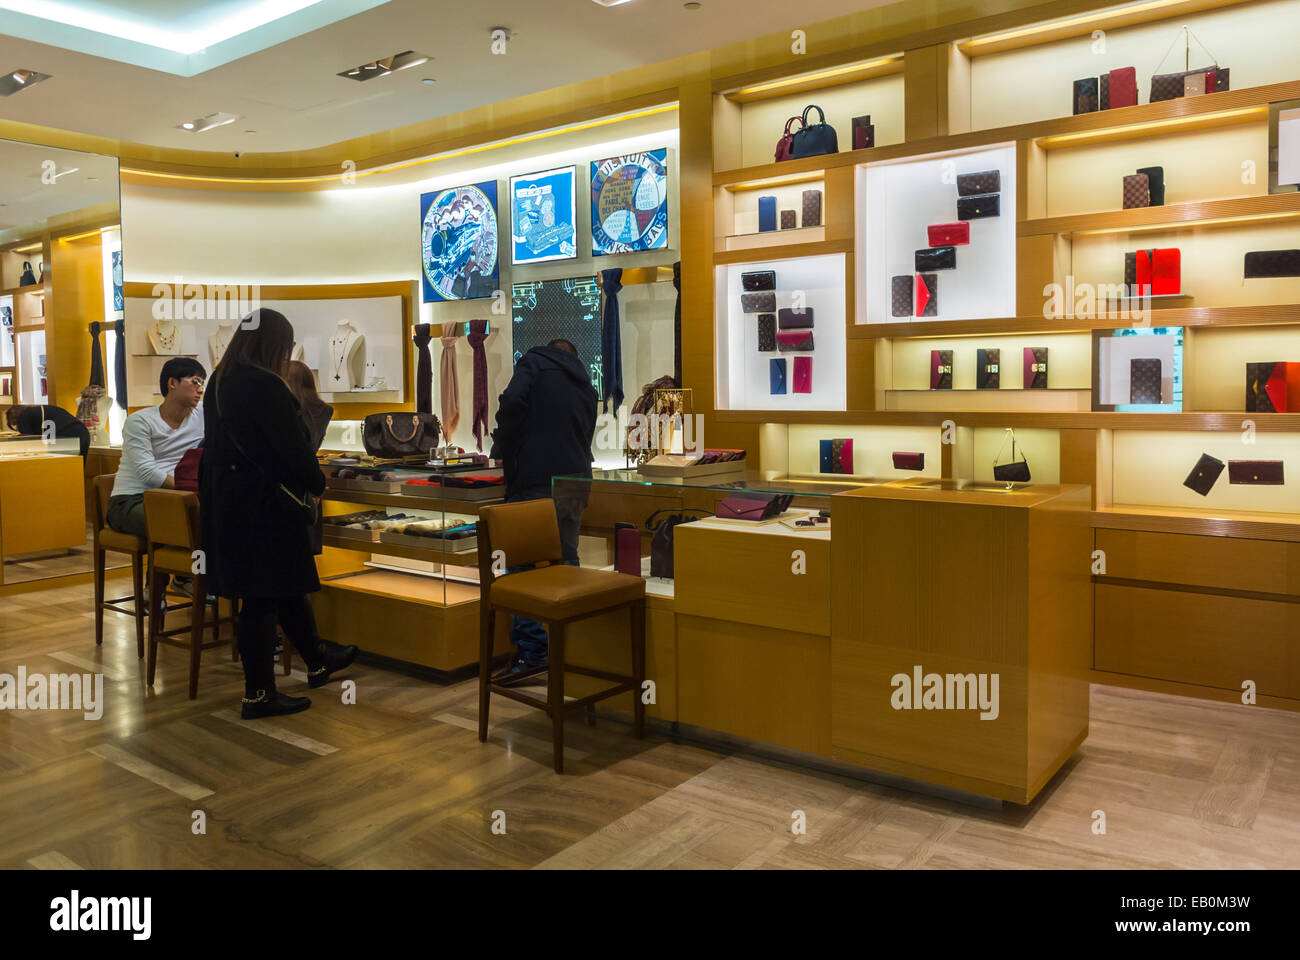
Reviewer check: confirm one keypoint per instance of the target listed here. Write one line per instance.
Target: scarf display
(421, 334)
(119, 362)
(96, 356)
(450, 383)
(477, 334)
(611, 341)
(677, 324)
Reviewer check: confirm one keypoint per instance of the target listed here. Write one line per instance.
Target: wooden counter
(42, 503)
(971, 583)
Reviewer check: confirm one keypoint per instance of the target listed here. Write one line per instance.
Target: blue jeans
(529, 636)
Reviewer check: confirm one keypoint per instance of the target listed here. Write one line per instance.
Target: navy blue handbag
(814, 139)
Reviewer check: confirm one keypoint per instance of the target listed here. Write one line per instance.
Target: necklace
(166, 341)
(340, 354)
(222, 342)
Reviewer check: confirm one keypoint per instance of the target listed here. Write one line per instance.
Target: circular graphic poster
(458, 242)
(629, 203)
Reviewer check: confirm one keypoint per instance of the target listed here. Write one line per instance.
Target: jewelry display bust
(219, 341)
(165, 338)
(346, 362)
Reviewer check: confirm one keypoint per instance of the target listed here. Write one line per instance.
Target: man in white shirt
(154, 440)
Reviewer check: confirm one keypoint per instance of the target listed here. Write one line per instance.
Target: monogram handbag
(1144, 380)
(787, 140)
(1085, 95)
(814, 139)
(1013, 471)
(28, 278)
(1034, 376)
(1272, 387)
(987, 369)
(1170, 86)
(789, 220)
(940, 369)
(1204, 474)
(401, 434)
(812, 208)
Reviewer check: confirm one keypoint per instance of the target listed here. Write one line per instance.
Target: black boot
(274, 704)
(333, 658)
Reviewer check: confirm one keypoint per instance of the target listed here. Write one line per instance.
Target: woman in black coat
(256, 484)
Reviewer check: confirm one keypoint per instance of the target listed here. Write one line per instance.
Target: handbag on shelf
(627, 549)
(752, 505)
(766, 216)
(812, 208)
(1155, 185)
(661, 531)
(1171, 86)
(28, 278)
(1122, 88)
(1144, 380)
(1014, 471)
(789, 220)
(1086, 98)
(787, 140)
(401, 434)
(1204, 474)
(988, 368)
(814, 139)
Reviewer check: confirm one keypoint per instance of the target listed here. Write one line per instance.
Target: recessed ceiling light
(17, 80)
(382, 68)
(429, 80)
(250, 131)
(692, 4)
(209, 122)
(610, 3)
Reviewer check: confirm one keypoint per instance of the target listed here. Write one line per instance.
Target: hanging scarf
(450, 382)
(677, 324)
(423, 369)
(477, 334)
(96, 357)
(611, 342)
(119, 362)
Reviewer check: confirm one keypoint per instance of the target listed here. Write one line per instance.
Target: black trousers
(255, 632)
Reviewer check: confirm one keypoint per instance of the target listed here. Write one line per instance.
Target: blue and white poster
(542, 217)
(629, 203)
(458, 242)
(119, 300)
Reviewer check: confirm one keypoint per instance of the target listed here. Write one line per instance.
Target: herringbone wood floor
(400, 780)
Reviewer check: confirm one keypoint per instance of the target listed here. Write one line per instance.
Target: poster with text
(458, 242)
(542, 221)
(629, 203)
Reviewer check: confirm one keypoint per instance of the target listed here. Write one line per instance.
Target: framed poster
(458, 242)
(542, 221)
(119, 302)
(569, 309)
(629, 203)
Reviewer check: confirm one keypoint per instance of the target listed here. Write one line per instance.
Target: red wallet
(1159, 272)
(908, 461)
(1124, 87)
(948, 234)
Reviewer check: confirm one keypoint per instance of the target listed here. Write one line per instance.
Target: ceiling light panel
(386, 66)
(211, 121)
(16, 81)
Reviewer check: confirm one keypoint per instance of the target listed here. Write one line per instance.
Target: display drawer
(1225, 563)
(749, 576)
(1206, 639)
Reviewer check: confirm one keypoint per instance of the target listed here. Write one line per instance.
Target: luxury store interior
(633, 484)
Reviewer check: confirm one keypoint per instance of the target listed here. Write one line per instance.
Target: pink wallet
(803, 374)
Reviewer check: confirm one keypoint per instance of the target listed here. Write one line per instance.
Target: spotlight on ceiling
(15, 81)
(610, 3)
(209, 122)
(382, 68)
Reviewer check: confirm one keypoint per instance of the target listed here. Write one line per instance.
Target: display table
(42, 502)
(961, 632)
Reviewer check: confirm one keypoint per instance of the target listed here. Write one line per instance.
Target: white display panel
(744, 373)
(1114, 355)
(898, 200)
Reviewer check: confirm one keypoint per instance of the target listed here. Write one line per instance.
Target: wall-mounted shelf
(1254, 525)
(1046, 420)
(1175, 215)
(784, 251)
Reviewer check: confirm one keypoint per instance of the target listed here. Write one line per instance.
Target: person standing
(546, 420)
(257, 485)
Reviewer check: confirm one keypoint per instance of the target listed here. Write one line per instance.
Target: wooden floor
(400, 780)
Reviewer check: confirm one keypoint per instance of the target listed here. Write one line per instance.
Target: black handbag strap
(1012, 435)
(680, 511)
(821, 116)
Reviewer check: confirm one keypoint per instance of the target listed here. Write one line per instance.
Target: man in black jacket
(546, 419)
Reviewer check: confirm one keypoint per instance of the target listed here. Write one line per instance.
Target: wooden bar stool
(172, 518)
(105, 539)
(556, 595)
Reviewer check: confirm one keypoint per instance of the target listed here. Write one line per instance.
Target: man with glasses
(154, 440)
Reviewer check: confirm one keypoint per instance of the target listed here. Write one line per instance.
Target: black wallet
(764, 302)
(1272, 263)
(758, 280)
(1204, 474)
(936, 258)
(1156, 180)
(978, 207)
(985, 181)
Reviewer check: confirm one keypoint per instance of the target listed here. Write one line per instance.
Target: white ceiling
(291, 96)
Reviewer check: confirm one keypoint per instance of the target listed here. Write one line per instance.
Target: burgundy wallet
(1123, 87)
(940, 369)
(789, 319)
(1262, 472)
(754, 506)
(908, 461)
(627, 549)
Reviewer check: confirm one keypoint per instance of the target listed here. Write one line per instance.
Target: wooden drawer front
(1227, 563)
(747, 576)
(1198, 638)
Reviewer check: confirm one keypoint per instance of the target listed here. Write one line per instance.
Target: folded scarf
(477, 334)
(450, 386)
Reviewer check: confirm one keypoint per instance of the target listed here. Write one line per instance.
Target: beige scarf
(450, 386)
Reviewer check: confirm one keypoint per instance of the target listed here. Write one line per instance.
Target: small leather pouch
(1194, 85)
(1271, 263)
(766, 214)
(627, 549)
(948, 234)
(1171, 86)
(977, 208)
(1085, 95)
(987, 367)
(1204, 474)
(864, 133)
(904, 460)
(926, 302)
(758, 280)
(1256, 472)
(900, 296)
(764, 302)
(776, 376)
(788, 220)
(1144, 380)
(812, 208)
(791, 341)
(1035, 372)
(985, 181)
(1123, 88)
(1155, 185)
(940, 369)
(1137, 191)
(766, 332)
(802, 375)
(790, 319)
(936, 258)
